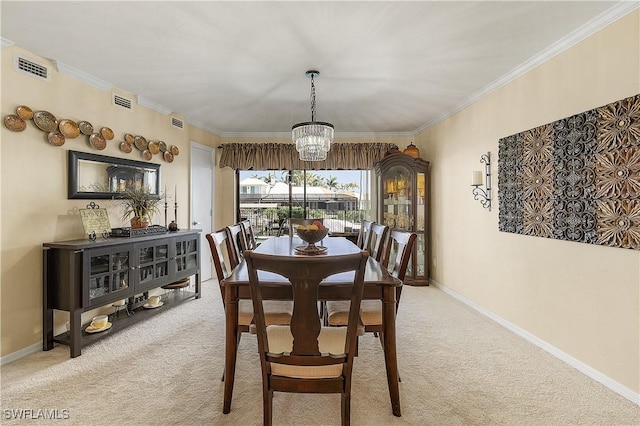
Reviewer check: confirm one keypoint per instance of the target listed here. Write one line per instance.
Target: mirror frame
(72, 167)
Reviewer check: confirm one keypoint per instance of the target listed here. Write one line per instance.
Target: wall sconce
(484, 195)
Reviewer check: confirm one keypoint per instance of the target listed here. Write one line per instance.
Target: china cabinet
(403, 187)
(82, 275)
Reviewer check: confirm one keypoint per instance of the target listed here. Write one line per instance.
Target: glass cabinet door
(398, 192)
(153, 263)
(108, 273)
(186, 256)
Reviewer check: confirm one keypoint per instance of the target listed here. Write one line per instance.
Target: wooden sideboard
(82, 275)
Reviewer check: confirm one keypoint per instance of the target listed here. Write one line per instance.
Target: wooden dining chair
(363, 235)
(306, 357)
(276, 312)
(236, 236)
(377, 240)
(249, 237)
(397, 253)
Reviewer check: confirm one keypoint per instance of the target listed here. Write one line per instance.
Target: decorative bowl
(312, 236)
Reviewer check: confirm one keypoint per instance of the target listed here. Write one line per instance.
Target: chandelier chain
(313, 100)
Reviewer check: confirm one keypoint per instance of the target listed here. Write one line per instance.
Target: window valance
(283, 156)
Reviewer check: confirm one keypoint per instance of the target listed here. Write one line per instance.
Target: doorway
(202, 183)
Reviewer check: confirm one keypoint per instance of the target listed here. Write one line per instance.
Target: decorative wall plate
(56, 138)
(146, 154)
(69, 128)
(128, 138)
(153, 147)
(141, 143)
(168, 157)
(175, 150)
(106, 133)
(162, 146)
(45, 121)
(85, 127)
(24, 112)
(14, 123)
(97, 141)
(125, 147)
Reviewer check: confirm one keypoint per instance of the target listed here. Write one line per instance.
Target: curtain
(283, 156)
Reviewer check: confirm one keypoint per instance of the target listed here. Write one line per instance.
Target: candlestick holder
(484, 195)
(165, 212)
(173, 226)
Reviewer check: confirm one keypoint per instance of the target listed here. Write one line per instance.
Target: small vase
(138, 223)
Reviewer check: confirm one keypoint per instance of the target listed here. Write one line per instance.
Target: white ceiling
(236, 67)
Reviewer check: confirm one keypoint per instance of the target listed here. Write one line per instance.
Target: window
(342, 198)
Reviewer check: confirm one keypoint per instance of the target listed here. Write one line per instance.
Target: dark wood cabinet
(403, 185)
(83, 275)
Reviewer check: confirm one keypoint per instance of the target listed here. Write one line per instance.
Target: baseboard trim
(575, 363)
(21, 353)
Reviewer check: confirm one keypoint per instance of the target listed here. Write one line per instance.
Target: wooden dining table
(379, 284)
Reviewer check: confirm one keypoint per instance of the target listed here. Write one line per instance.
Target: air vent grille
(176, 122)
(25, 66)
(122, 102)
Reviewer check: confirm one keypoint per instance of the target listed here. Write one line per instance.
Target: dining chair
(294, 222)
(236, 236)
(397, 250)
(249, 237)
(363, 235)
(377, 240)
(276, 312)
(306, 357)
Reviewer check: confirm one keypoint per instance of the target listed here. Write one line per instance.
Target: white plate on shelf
(148, 306)
(91, 329)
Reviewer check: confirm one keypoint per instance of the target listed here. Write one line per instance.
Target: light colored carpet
(457, 368)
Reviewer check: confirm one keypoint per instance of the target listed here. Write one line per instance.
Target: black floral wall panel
(576, 179)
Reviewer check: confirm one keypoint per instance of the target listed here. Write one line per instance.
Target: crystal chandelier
(313, 138)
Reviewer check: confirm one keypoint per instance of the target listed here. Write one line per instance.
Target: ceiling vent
(176, 122)
(122, 102)
(31, 68)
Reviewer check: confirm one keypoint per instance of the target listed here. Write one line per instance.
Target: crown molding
(81, 75)
(606, 18)
(202, 126)
(5, 42)
(142, 101)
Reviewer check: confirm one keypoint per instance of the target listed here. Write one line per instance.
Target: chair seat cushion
(331, 340)
(275, 312)
(370, 312)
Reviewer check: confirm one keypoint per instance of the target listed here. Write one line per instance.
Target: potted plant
(139, 205)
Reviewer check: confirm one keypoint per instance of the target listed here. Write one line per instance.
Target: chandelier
(313, 138)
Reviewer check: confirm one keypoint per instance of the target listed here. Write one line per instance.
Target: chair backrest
(363, 236)
(249, 237)
(398, 250)
(224, 260)
(294, 222)
(305, 274)
(377, 240)
(236, 236)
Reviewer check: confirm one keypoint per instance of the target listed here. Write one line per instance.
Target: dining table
(379, 284)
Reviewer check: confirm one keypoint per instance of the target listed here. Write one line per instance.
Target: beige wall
(35, 208)
(582, 299)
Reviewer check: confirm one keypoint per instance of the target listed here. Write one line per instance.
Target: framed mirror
(93, 176)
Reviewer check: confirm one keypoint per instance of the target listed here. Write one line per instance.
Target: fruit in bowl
(312, 233)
